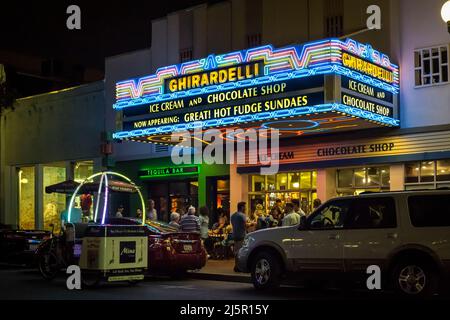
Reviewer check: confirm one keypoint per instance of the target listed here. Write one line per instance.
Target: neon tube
(99, 192)
(72, 199)
(105, 205)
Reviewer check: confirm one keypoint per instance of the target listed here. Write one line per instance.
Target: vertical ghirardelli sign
(127, 252)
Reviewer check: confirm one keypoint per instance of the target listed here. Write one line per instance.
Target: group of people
(151, 212)
(278, 216)
(190, 222)
(231, 229)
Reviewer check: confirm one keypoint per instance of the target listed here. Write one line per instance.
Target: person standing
(75, 216)
(238, 222)
(204, 222)
(152, 214)
(190, 222)
(296, 203)
(316, 203)
(174, 220)
(291, 217)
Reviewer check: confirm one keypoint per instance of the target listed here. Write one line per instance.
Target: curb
(220, 277)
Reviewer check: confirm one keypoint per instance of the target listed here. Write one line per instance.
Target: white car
(406, 234)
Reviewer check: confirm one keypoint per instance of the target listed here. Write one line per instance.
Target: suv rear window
(429, 210)
(372, 213)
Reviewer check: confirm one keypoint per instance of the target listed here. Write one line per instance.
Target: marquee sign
(252, 87)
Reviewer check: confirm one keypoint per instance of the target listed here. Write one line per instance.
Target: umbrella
(113, 185)
(67, 187)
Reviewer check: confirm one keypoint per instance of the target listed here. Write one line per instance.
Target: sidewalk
(221, 270)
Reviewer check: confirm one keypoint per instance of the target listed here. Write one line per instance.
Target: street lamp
(445, 14)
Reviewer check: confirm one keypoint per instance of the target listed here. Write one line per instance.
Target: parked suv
(406, 234)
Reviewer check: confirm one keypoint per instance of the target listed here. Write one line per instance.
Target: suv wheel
(415, 279)
(266, 271)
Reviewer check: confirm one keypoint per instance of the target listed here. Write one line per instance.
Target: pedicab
(103, 252)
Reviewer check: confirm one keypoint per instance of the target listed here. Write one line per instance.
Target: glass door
(26, 196)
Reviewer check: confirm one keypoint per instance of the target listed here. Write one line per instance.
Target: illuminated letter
(173, 85)
(232, 74)
(205, 80)
(222, 76)
(195, 81)
(182, 83)
(213, 78)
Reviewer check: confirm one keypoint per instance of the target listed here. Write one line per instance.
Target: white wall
(56, 126)
(421, 26)
(123, 67)
(199, 32)
(159, 44)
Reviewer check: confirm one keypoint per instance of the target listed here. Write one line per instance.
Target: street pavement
(20, 283)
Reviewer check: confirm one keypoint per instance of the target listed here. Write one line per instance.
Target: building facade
(47, 139)
(411, 150)
(414, 154)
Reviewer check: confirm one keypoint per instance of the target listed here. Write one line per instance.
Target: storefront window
(83, 170)
(282, 181)
(294, 180)
(223, 194)
(427, 171)
(270, 182)
(443, 170)
(286, 187)
(427, 174)
(360, 177)
(373, 177)
(258, 183)
(345, 178)
(385, 178)
(314, 179)
(357, 180)
(26, 180)
(412, 171)
(54, 203)
(305, 180)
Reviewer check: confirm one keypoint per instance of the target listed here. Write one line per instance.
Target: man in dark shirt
(238, 222)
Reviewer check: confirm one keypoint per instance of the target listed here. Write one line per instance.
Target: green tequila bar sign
(168, 171)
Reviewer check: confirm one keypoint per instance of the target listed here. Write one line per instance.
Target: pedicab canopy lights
(339, 85)
(103, 184)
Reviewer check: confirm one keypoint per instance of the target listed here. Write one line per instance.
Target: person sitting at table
(252, 219)
(219, 227)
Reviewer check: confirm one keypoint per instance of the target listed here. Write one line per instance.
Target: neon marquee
(175, 96)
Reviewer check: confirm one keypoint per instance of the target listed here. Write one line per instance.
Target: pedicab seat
(75, 231)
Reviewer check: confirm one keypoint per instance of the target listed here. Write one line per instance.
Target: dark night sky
(108, 28)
